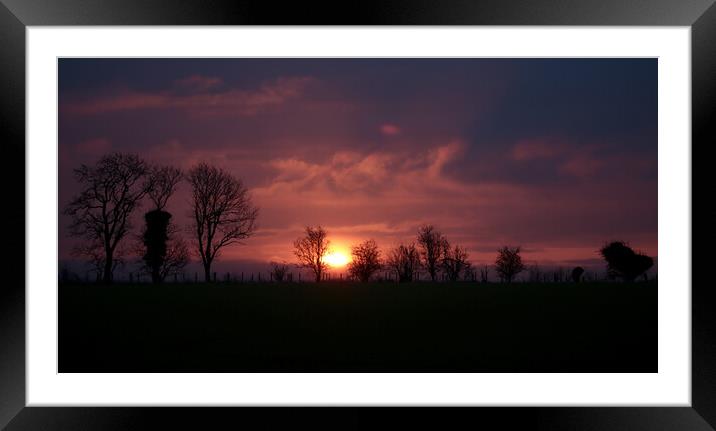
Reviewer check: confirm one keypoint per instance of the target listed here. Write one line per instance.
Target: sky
(557, 156)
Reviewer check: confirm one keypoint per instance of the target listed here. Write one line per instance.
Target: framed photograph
(459, 205)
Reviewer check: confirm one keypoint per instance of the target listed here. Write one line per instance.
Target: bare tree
(163, 181)
(509, 263)
(223, 213)
(311, 249)
(96, 257)
(112, 189)
(365, 260)
(455, 263)
(535, 273)
(278, 271)
(432, 247)
(176, 259)
(405, 261)
(485, 274)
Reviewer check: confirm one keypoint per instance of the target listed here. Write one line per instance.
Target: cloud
(389, 129)
(94, 148)
(541, 148)
(200, 101)
(579, 161)
(198, 82)
(581, 166)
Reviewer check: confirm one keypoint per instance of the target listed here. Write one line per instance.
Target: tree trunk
(207, 272)
(156, 276)
(107, 273)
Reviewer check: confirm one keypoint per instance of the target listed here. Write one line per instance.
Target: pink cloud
(389, 129)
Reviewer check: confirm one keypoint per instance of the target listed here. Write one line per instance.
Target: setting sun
(336, 259)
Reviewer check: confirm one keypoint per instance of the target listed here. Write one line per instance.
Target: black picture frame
(16, 15)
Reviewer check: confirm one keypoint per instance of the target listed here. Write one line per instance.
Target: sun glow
(336, 259)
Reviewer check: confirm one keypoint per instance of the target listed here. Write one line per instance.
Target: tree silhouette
(162, 258)
(508, 263)
(163, 182)
(405, 261)
(432, 247)
(223, 213)
(95, 255)
(278, 271)
(311, 249)
(112, 189)
(623, 262)
(484, 274)
(455, 263)
(365, 260)
(577, 274)
(164, 254)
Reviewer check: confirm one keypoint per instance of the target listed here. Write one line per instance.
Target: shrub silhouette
(278, 271)
(577, 274)
(508, 263)
(623, 262)
(155, 241)
(365, 260)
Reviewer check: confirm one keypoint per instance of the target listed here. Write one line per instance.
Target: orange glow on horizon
(337, 259)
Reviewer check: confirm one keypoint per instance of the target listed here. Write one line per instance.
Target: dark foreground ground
(342, 327)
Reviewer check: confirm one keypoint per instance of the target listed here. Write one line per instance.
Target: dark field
(345, 327)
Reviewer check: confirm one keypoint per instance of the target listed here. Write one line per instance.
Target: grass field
(346, 327)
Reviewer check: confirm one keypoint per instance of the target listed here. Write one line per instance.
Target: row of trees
(223, 214)
(432, 253)
(112, 190)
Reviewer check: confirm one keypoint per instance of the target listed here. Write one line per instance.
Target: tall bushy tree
(311, 249)
(509, 263)
(160, 256)
(365, 260)
(432, 247)
(101, 214)
(222, 210)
